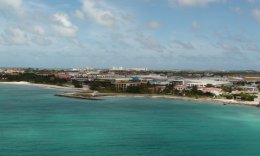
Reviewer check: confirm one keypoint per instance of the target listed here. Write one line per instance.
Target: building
(139, 69)
(124, 83)
(252, 79)
(118, 68)
(14, 71)
(180, 87)
(152, 77)
(205, 82)
(250, 89)
(177, 82)
(215, 91)
(109, 76)
(63, 75)
(159, 82)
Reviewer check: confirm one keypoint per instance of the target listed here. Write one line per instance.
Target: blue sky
(157, 34)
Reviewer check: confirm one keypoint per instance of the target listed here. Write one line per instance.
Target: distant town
(229, 85)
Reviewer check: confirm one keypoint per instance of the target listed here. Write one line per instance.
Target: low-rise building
(205, 82)
(159, 82)
(250, 89)
(110, 76)
(63, 75)
(177, 82)
(13, 71)
(124, 83)
(252, 79)
(152, 77)
(180, 87)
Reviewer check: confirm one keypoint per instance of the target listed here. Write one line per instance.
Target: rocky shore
(100, 96)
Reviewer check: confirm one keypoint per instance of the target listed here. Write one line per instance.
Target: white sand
(210, 100)
(16, 83)
(70, 88)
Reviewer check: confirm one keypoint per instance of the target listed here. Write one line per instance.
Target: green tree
(247, 97)
(77, 84)
(228, 96)
(226, 88)
(210, 85)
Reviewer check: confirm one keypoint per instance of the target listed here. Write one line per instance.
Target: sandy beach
(72, 92)
(65, 88)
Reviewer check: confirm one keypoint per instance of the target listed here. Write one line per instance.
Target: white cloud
(12, 6)
(63, 19)
(79, 14)
(39, 30)
(252, 47)
(230, 48)
(237, 10)
(195, 25)
(64, 26)
(236, 38)
(42, 41)
(154, 25)
(99, 14)
(149, 43)
(192, 3)
(15, 36)
(20, 36)
(177, 44)
(256, 14)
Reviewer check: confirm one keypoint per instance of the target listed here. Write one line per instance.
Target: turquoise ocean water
(34, 122)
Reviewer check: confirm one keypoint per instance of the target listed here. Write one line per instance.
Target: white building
(151, 76)
(124, 83)
(119, 68)
(139, 69)
(205, 82)
(250, 89)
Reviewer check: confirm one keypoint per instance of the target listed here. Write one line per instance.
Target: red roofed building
(65, 76)
(215, 91)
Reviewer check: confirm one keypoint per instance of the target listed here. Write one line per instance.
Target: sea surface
(33, 122)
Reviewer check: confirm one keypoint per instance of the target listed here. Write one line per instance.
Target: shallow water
(34, 122)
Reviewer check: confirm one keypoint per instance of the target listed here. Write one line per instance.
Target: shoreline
(71, 92)
(154, 96)
(47, 86)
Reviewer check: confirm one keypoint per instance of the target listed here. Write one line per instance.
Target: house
(180, 87)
